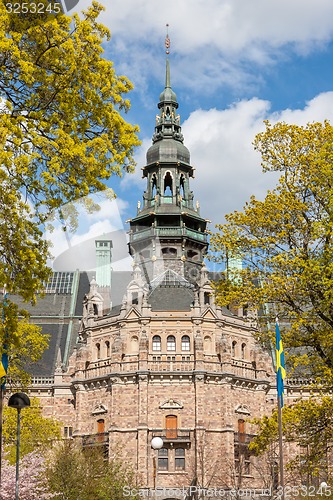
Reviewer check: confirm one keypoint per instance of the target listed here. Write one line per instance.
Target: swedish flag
(3, 365)
(280, 367)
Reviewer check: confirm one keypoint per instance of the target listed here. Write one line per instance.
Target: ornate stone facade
(168, 362)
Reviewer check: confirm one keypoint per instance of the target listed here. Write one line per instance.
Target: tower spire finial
(167, 41)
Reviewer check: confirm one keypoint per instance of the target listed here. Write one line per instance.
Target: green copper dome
(168, 150)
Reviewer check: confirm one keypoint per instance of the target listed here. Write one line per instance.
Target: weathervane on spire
(167, 41)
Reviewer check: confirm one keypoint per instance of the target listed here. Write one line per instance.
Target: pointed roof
(168, 138)
(168, 95)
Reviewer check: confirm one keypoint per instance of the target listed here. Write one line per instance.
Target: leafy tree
(26, 346)
(308, 423)
(62, 131)
(285, 243)
(37, 431)
(72, 473)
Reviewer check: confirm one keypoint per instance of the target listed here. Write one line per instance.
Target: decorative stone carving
(99, 409)
(170, 404)
(243, 409)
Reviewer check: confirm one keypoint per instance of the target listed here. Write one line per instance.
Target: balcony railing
(173, 435)
(99, 439)
(168, 232)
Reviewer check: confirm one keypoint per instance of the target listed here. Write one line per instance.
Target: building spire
(167, 51)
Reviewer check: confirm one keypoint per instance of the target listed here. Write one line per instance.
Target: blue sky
(234, 64)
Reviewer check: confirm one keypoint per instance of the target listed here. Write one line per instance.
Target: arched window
(185, 343)
(98, 351)
(182, 186)
(171, 343)
(233, 348)
(107, 348)
(169, 252)
(100, 426)
(100, 430)
(167, 184)
(156, 343)
(243, 351)
(153, 186)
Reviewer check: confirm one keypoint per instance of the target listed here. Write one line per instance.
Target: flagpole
(280, 447)
(280, 375)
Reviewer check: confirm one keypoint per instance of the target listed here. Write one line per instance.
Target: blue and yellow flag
(280, 367)
(3, 365)
(4, 357)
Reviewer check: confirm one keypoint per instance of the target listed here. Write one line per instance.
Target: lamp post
(156, 444)
(18, 400)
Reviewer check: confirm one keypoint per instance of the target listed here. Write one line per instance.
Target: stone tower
(168, 231)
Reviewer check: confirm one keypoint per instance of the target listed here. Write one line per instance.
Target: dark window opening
(153, 186)
(179, 459)
(168, 184)
(68, 432)
(182, 186)
(163, 459)
(135, 298)
(206, 298)
(169, 252)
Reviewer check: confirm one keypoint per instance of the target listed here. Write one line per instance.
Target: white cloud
(213, 42)
(228, 169)
(90, 226)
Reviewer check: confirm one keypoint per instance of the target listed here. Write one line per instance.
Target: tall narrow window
(179, 458)
(241, 430)
(233, 348)
(185, 343)
(153, 186)
(98, 351)
(163, 459)
(243, 351)
(171, 427)
(156, 343)
(107, 348)
(182, 186)
(171, 343)
(100, 429)
(167, 184)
